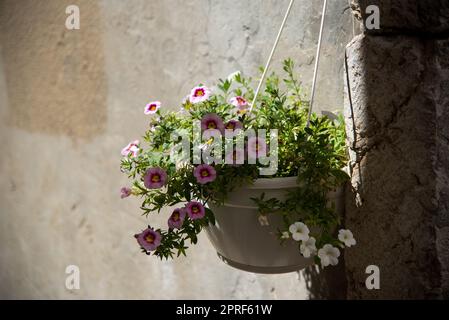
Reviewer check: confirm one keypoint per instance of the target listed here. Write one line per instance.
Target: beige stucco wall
(70, 100)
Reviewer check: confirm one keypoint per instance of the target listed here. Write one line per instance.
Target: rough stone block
(407, 16)
(397, 126)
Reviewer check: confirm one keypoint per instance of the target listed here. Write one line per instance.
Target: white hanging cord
(271, 55)
(317, 60)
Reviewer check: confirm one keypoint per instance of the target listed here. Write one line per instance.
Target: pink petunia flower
(149, 239)
(256, 147)
(155, 178)
(177, 218)
(238, 102)
(233, 125)
(195, 210)
(131, 149)
(125, 192)
(212, 121)
(152, 107)
(236, 157)
(199, 94)
(204, 173)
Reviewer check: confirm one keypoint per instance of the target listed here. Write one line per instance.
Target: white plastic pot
(242, 242)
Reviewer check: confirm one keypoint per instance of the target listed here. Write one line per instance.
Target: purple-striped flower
(149, 239)
(152, 107)
(233, 125)
(155, 178)
(256, 147)
(204, 173)
(177, 218)
(238, 102)
(132, 149)
(212, 121)
(125, 192)
(195, 210)
(199, 94)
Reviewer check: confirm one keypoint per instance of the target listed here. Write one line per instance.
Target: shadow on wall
(327, 283)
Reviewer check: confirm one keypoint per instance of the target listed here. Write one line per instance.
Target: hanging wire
(317, 61)
(271, 55)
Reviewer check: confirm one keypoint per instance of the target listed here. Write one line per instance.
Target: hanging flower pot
(261, 183)
(249, 241)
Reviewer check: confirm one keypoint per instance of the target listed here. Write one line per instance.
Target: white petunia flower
(346, 237)
(299, 231)
(308, 248)
(328, 255)
(285, 235)
(263, 220)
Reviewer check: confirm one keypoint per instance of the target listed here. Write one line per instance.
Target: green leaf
(210, 216)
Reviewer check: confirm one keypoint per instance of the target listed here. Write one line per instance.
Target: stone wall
(70, 100)
(397, 112)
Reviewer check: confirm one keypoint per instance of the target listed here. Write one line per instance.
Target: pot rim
(274, 183)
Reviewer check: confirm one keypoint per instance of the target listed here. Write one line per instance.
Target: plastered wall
(71, 99)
